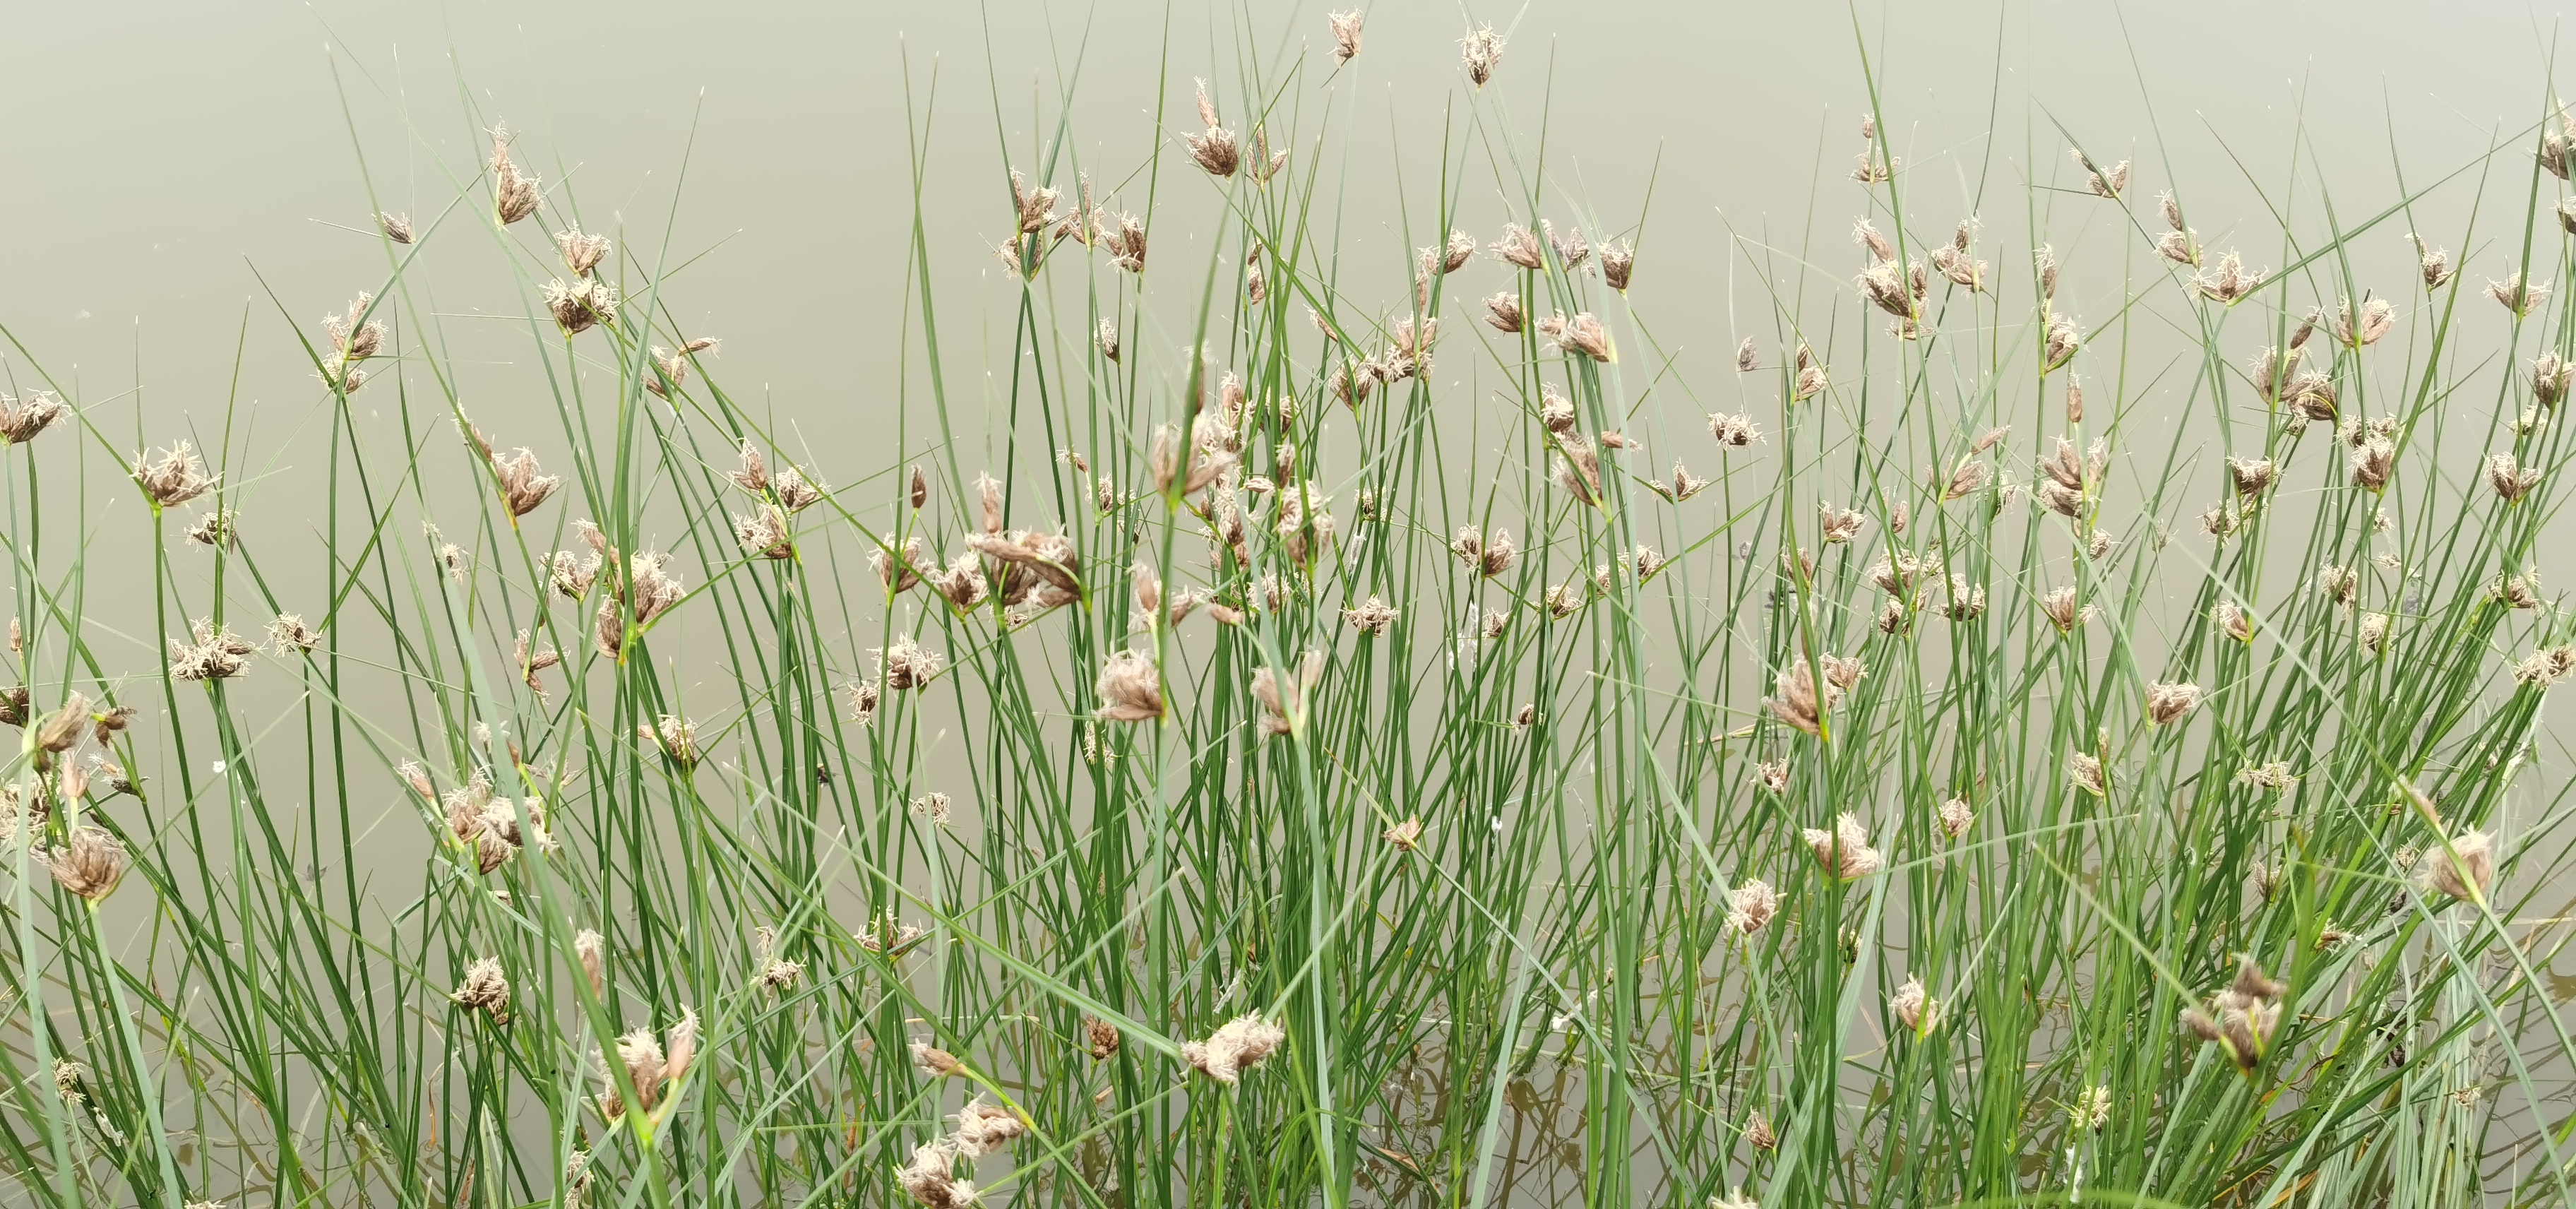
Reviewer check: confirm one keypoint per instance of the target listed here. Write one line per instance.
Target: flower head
(1236, 1046)
(581, 253)
(88, 863)
(2167, 703)
(931, 1177)
(217, 653)
(1618, 262)
(289, 635)
(2091, 1109)
(1215, 149)
(2517, 295)
(1283, 697)
(2086, 771)
(2104, 182)
(2510, 480)
(1346, 35)
(1580, 334)
(522, 486)
(2242, 1018)
(174, 478)
(2372, 462)
(2435, 264)
(2466, 870)
(1845, 850)
(1751, 906)
(1129, 688)
(580, 304)
(1733, 432)
(2366, 327)
(1798, 701)
(1371, 616)
(2229, 283)
(984, 1128)
(1481, 50)
(21, 422)
(2545, 667)
(514, 195)
(2062, 610)
(485, 989)
(1914, 1007)
(1758, 1134)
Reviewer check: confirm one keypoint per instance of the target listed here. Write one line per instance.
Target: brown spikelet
(1346, 35)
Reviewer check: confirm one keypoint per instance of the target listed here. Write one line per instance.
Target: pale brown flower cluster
(2242, 1018)
(1236, 1046)
(651, 1062)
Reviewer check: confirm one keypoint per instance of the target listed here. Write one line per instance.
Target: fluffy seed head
(2545, 667)
(1100, 1039)
(1751, 906)
(2510, 480)
(1346, 35)
(1581, 333)
(2110, 182)
(1214, 149)
(1797, 701)
(514, 195)
(580, 304)
(2229, 283)
(1844, 850)
(2087, 773)
(2434, 263)
(88, 863)
(1129, 689)
(1520, 247)
(2061, 608)
(1371, 616)
(1283, 697)
(1236, 1046)
(1481, 50)
(1733, 432)
(2064, 338)
(1618, 262)
(21, 422)
(581, 253)
(2169, 702)
(2233, 621)
(2365, 327)
(984, 1128)
(907, 666)
(215, 654)
(2251, 478)
(485, 989)
(1914, 1007)
(2466, 870)
(2518, 296)
(174, 478)
(522, 485)
(2372, 462)
(931, 1180)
